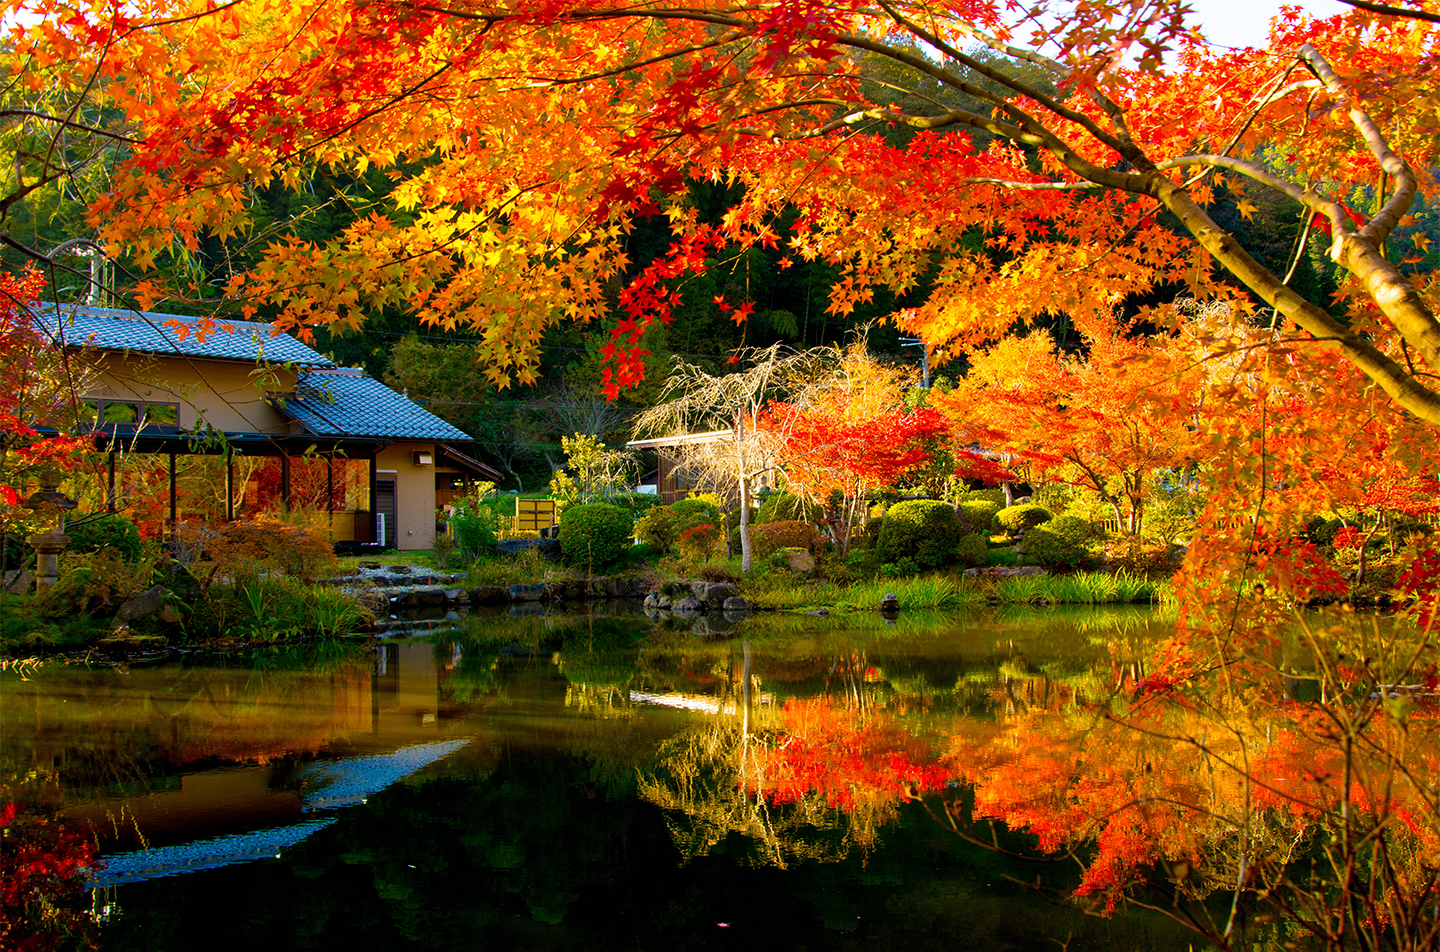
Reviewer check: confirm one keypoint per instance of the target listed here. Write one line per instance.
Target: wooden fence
(532, 515)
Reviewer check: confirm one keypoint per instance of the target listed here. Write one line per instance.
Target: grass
(1081, 588)
(931, 591)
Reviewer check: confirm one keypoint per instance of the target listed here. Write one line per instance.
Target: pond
(571, 782)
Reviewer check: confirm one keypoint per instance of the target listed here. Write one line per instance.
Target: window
(119, 412)
(162, 414)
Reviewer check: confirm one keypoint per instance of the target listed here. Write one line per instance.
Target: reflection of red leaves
(848, 758)
(1422, 581)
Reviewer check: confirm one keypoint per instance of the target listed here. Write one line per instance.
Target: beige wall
(414, 493)
(230, 397)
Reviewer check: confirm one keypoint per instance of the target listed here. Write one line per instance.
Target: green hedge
(1059, 543)
(658, 529)
(1018, 519)
(980, 514)
(93, 533)
(594, 534)
(924, 530)
(786, 534)
(972, 549)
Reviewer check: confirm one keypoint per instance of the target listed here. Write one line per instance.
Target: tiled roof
(344, 402)
(110, 328)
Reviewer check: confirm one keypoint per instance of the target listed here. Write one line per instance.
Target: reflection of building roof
(202, 854)
(343, 402)
(340, 783)
(112, 328)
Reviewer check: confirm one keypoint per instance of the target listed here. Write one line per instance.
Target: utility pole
(924, 358)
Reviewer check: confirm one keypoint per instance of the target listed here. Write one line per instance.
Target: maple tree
(1106, 421)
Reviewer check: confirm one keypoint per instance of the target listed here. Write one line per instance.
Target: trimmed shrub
(979, 513)
(787, 507)
(658, 529)
(696, 510)
(594, 534)
(924, 530)
(971, 550)
(788, 534)
(1322, 531)
(93, 533)
(1018, 519)
(1059, 543)
(994, 494)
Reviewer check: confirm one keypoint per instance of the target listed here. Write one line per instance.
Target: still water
(564, 783)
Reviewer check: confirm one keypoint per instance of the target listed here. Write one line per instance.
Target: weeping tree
(694, 400)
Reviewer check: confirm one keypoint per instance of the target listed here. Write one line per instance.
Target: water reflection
(568, 781)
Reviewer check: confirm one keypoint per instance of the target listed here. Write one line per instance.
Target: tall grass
(1082, 588)
(931, 591)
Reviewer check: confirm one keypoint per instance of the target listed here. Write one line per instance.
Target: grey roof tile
(109, 328)
(344, 402)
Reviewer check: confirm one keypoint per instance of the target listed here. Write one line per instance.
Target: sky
(1247, 22)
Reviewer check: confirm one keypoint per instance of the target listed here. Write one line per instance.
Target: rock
(144, 605)
(1005, 571)
(454, 594)
(651, 601)
(526, 593)
(689, 604)
(549, 549)
(598, 587)
(618, 588)
(19, 582)
(398, 569)
(889, 603)
(700, 589)
(663, 601)
(735, 604)
(556, 590)
(488, 595)
(368, 565)
(170, 615)
(719, 593)
(800, 561)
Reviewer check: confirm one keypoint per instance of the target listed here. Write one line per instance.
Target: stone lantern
(50, 504)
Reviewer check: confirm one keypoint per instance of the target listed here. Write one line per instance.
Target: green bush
(788, 534)
(924, 530)
(994, 494)
(1059, 543)
(1321, 531)
(971, 550)
(696, 510)
(476, 528)
(980, 513)
(1018, 519)
(93, 533)
(657, 528)
(594, 534)
(787, 507)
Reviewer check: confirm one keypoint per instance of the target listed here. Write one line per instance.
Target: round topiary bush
(594, 534)
(93, 533)
(980, 514)
(694, 511)
(924, 530)
(1057, 544)
(1017, 519)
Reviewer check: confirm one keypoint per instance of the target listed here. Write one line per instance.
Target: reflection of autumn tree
(43, 862)
(1325, 815)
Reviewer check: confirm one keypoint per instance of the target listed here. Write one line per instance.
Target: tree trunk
(744, 522)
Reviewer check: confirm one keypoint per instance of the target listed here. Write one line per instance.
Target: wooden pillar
(110, 498)
(285, 480)
(174, 511)
(374, 499)
(229, 485)
(330, 486)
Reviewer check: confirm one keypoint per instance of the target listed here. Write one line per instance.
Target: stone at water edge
(144, 605)
(526, 593)
(663, 601)
(737, 606)
(700, 589)
(720, 592)
(398, 569)
(889, 603)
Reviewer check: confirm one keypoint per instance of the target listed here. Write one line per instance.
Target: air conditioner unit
(424, 458)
